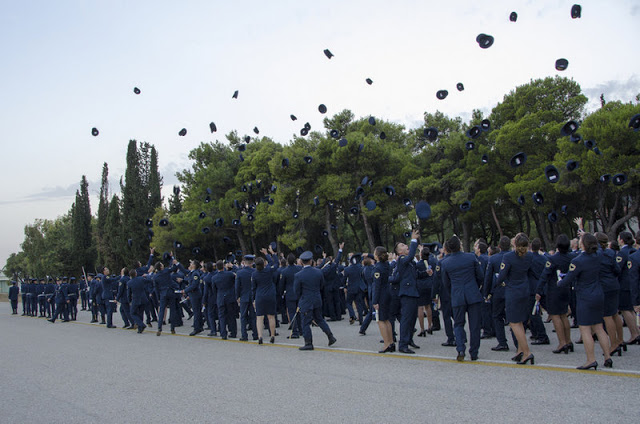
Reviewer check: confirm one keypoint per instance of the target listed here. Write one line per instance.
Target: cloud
(624, 91)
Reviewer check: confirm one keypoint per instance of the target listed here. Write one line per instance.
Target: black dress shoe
(225, 338)
(332, 340)
(194, 332)
(500, 348)
(244, 339)
(51, 320)
(173, 331)
(272, 340)
(518, 357)
(306, 347)
(294, 336)
(527, 359)
(474, 358)
(449, 344)
(413, 345)
(406, 350)
(608, 363)
(540, 342)
(212, 334)
(362, 333)
(460, 357)
(259, 340)
(390, 348)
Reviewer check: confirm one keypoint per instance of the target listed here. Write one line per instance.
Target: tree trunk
(526, 215)
(327, 225)
(542, 232)
(612, 231)
(367, 227)
(353, 229)
(243, 245)
(495, 219)
(466, 236)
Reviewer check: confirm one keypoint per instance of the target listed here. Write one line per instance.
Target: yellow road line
(611, 373)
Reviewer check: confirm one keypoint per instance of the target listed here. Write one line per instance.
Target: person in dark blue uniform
(122, 297)
(23, 292)
(291, 300)
(42, 298)
(424, 281)
(166, 289)
(331, 285)
(406, 271)
(209, 298)
(193, 276)
(353, 283)
(83, 286)
(557, 298)
(367, 279)
(13, 297)
(442, 299)
(49, 291)
(223, 283)
(73, 298)
(481, 249)
(463, 273)
(307, 286)
(243, 295)
(633, 267)
(584, 273)
(99, 298)
(538, 332)
(515, 272)
(494, 293)
(108, 298)
(263, 292)
(60, 299)
(625, 240)
(381, 298)
(33, 298)
(139, 298)
(610, 270)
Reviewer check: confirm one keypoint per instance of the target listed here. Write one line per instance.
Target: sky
(69, 66)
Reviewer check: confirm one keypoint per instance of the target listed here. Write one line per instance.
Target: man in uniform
(243, 296)
(291, 300)
(49, 291)
(194, 293)
(13, 297)
(495, 293)
(307, 285)
(408, 292)
(24, 289)
(223, 285)
(41, 298)
(82, 286)
(165, 289)
(139, 298)
(60, 299)
(73, 298)
(353, 281)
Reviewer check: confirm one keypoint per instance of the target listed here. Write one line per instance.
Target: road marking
(480, 362)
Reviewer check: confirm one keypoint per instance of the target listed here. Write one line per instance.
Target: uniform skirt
(611, 300)
(384, 305)
(265, 305)
(517, 308)
(624, 301)
(590, 309)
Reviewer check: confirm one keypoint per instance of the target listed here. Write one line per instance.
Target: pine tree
(103, 208)
(134, 202)
(175, 204)
(81, 241)
(115, 257)
(155, 182)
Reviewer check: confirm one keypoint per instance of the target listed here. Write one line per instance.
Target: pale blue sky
(68, 66)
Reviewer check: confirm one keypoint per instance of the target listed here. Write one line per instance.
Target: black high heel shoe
(422, 334)
(593, 365)
(634, 341)
(430, 330)
(272, 340)
(529, 358)
(564, 349)
(518, 357)
(617, 350)
(260, 340)
(608, 363)
(570, 345)
(624, 346)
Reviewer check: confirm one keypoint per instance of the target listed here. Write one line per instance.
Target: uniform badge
(572, 267)
(376, 275)
(195, 277)
(437, 268)
(502, 265)
(618, 259)
(548, 264)
(629, 264)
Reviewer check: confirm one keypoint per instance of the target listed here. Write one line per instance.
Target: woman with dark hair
(515, 272)
(558, 297)
(381, 298)
(609, 272)
(583, 273)
(264, 293)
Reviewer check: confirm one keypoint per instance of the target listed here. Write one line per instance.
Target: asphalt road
(82, 372)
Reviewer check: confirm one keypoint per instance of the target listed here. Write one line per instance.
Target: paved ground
(82, 372)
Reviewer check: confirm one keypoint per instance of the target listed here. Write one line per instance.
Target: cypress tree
(134, 203)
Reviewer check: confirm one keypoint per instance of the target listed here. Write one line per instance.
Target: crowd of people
(593, 280)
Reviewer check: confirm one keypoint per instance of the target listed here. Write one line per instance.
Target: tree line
(358, 180)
